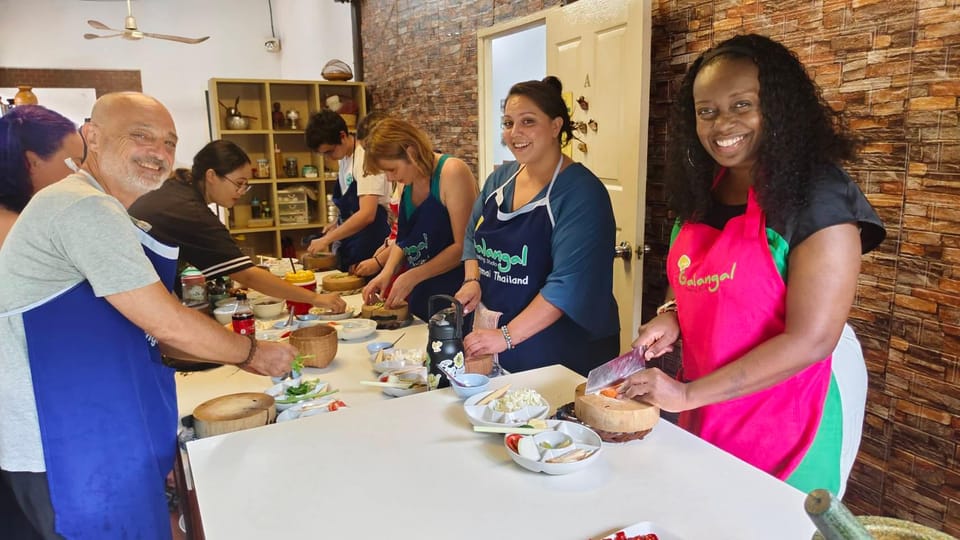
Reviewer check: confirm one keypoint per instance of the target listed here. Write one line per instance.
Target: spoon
(395, 341)
(289, 322)
(455, 380)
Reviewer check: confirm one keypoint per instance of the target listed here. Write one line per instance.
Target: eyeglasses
(242, 187)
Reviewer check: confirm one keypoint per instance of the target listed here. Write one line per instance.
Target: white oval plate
(474, 412)
(583, 438)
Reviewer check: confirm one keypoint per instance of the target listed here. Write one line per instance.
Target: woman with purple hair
(34, 144)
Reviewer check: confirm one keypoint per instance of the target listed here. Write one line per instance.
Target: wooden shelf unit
(256, 98)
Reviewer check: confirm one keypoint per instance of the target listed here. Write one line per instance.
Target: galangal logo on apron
(710, 281)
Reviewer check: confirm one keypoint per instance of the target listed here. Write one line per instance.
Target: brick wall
(894, 69)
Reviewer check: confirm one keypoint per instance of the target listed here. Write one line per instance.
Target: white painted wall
(49, 34)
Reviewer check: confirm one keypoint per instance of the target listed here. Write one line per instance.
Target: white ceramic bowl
(267, 307)
(581, 437)
(485, 416)
(354, 329)
(418, 377)
(315, 407)
(224, 313)
(278, 391)
(478, 383)
(398, 358)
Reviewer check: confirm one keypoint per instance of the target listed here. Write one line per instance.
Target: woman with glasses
(179, 215)
(34, 144)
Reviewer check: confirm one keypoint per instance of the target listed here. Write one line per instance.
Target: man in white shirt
(362, 200)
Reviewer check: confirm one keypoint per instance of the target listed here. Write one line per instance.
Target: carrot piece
(609, 392)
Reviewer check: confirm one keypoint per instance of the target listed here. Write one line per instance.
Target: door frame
(485, 37)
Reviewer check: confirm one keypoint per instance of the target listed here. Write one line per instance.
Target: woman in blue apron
(358, 239)
(539, 247)
(438, 193)
(107, 410)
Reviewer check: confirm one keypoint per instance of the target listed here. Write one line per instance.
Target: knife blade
(615, 370)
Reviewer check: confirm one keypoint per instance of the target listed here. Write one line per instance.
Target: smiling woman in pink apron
(438, 192)
(539, 246)
(762, 268)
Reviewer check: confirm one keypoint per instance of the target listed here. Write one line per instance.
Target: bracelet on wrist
(469, 279)
(506, 336)
(376, 260)
(251, 352)
(668, 306)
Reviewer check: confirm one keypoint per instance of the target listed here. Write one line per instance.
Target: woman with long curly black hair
(763, 268)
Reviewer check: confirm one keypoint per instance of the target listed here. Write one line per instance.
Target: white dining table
(412, 467)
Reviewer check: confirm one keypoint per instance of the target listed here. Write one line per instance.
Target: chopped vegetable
(336, 404)
(623, 536)
(297, 365)
(305, 397)
(512, 440)
(609, 392)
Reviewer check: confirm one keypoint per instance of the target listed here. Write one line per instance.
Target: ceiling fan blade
(100, 26)
(181, 39)
(95, 36)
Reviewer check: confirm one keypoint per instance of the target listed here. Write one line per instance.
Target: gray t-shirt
(69, 232)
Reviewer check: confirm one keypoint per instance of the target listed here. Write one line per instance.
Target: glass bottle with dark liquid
(243, 321)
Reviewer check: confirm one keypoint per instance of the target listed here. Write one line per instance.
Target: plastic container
(243, 319)
(305, 279)
(193, 286)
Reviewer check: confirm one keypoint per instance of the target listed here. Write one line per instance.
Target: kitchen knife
(615, 370)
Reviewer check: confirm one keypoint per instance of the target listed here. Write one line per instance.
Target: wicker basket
(319, 341)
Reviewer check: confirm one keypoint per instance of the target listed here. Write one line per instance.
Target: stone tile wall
(893, 68)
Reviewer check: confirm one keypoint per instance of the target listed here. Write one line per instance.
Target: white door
(600, 50)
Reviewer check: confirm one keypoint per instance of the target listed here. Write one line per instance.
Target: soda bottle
(243, 321)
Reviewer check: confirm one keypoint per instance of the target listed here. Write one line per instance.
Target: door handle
(624, 251)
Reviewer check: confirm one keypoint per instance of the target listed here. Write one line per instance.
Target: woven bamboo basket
(318, 343)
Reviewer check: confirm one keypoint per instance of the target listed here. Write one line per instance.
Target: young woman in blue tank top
(539, 246)
(438, 193)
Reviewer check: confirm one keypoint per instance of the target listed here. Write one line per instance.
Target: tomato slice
(513, 440)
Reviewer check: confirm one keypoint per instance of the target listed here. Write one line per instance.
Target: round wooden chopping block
(380, 312)
(614, 415)
(320, 262)
(342, 282)
(233, 412)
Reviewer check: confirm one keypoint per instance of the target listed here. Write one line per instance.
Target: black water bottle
(445, 341)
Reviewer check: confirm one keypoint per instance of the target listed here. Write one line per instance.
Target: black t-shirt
(179, 216)
(835, 199)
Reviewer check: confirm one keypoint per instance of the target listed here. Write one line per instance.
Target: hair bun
(550, 80)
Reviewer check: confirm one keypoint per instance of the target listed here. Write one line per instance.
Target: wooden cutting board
(614, 415)
(233, 412)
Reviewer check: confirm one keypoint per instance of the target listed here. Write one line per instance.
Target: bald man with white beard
(88, 430)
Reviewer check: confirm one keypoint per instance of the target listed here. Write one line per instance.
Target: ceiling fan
(130, 31)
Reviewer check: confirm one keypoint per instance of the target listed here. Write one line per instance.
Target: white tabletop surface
(413, 468)
(350, 366)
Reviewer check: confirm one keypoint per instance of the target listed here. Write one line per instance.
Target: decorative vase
(25, 96)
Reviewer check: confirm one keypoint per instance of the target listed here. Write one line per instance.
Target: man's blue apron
(107, 409)
(362, 245)
(422, 233)
(514, 253)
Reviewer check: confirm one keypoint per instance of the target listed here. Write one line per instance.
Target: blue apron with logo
(514, 253)
(107, 409)
(362, 245)
(422, 233)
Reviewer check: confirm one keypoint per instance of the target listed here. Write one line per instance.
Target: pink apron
(731, 298)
